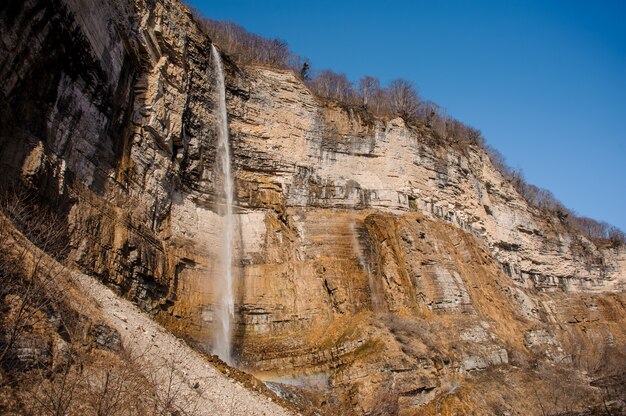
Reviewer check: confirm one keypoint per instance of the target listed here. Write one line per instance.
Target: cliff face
(372, 260)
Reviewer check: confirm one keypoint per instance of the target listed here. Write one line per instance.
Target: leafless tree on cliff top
(368, 88)
(403, 98)
(334, 86)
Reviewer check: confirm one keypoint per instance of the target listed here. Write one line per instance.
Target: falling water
(356, 245)
(225, 308)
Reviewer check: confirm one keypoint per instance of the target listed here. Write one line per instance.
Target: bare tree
(277, 52)
(380, 104)
(497, 160)
(334, 86)
(369, 88)
(30, 284)
(475, 136)
(115, 388)
(246, 47)
(171, 397)
(403, 99)
(439, 123)
(427, 111)
(56, 395)
(616, 235)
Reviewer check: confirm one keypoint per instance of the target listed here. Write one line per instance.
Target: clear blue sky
(545, 81)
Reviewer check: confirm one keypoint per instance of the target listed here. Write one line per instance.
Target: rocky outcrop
(371, 257)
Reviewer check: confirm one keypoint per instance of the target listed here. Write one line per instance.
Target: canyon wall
(372, 260)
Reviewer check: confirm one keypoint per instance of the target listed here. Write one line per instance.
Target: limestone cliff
(373, 261)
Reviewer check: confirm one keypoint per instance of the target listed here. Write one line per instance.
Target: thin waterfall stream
(225, 305)
(356, 245)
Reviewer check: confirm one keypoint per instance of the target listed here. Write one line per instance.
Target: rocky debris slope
(199, 387)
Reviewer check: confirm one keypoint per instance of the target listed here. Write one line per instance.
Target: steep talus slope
(376, 265)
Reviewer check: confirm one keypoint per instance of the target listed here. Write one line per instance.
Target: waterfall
(225, 305)
(356, 245)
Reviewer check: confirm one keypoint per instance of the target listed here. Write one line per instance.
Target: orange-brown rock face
(378, 270)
